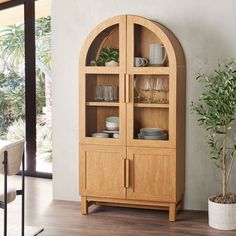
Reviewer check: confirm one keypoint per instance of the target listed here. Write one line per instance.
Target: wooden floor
(61, 218)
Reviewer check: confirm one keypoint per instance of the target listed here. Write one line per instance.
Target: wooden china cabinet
(129, 171)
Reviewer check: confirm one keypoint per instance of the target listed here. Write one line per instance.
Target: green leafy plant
(217, 111)
(106, 55)
(12, 83)
(16, 131)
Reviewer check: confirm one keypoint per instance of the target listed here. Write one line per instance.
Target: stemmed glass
(166, 89)
(148, 87)
(157, 88)
(137, 82)
(161, 87)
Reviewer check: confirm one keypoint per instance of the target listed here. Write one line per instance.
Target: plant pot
(112, 63)
(222, 216)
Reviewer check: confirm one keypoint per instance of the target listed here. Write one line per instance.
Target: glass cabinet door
(149, 85)
(102, 68)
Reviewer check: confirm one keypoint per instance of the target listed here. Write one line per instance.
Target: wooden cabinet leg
(172, 212)
(84, 206)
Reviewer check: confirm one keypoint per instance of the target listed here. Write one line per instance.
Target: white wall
(206, 30)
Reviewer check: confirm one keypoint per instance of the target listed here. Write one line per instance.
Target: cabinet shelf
(151, 105)
(101, 70)
(102, 104)
(150, 70)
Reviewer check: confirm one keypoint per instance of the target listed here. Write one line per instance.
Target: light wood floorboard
(61, 218)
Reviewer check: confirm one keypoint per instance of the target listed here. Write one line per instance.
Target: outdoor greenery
(12, 83)
(217, 111)
(106, 55)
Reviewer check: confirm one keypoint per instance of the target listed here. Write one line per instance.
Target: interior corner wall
(206, 30)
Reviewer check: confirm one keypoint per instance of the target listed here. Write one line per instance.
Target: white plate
(111, 131)
(100, 135)
(152, 137)
(152, 131)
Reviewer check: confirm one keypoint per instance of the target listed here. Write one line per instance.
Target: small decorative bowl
(116, 135)
(112, 123)
(113, 119)
(100, 135)
(112, 126)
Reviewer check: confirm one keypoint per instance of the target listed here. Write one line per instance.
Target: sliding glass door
(25, 83)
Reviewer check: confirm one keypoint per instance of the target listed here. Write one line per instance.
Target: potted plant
(217, 113)
(107, 57)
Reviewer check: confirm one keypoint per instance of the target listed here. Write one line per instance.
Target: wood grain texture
(60, 218)
(152, 174)
(103, 173)
(149, 173)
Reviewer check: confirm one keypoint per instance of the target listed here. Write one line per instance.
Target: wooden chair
(11, 158)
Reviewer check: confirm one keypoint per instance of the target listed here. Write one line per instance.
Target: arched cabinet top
(120, 30)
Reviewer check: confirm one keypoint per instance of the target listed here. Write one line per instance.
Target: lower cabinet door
(102, 171)
(151, 174)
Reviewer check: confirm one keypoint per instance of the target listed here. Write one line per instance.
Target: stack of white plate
(100, 135)
(152, 134)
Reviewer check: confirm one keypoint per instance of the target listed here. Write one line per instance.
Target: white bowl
(112, 126)
(112, 123)
(116, 135)
(100, 135)
(113, 119)
(112, 63)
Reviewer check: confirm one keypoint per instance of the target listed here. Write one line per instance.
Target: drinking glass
(162, 90)
(115, 92)
(106, 94)
(148, 87)
(99, 93)
(110, 93)
(137, 91)
(157, 89)
(166, 87)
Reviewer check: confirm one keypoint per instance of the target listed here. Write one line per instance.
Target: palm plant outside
(12, 104)
(217, 113)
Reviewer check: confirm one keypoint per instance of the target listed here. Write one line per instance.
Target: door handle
(127, 173)
(124, 165)
(127, 80)
(124, 91)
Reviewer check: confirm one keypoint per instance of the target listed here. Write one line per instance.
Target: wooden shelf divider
(150, 70)
(101, 70)
(151, 105)
(102, 104)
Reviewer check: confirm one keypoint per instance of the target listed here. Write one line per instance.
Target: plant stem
(230, 167)
(224, 183)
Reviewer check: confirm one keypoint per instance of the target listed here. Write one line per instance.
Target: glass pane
(12, 74)
(102, 105)
(43, 95)
(148, 49)
(105, 48)
(102, 88)
(151, 123)
(151, 89)
(151, 107)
